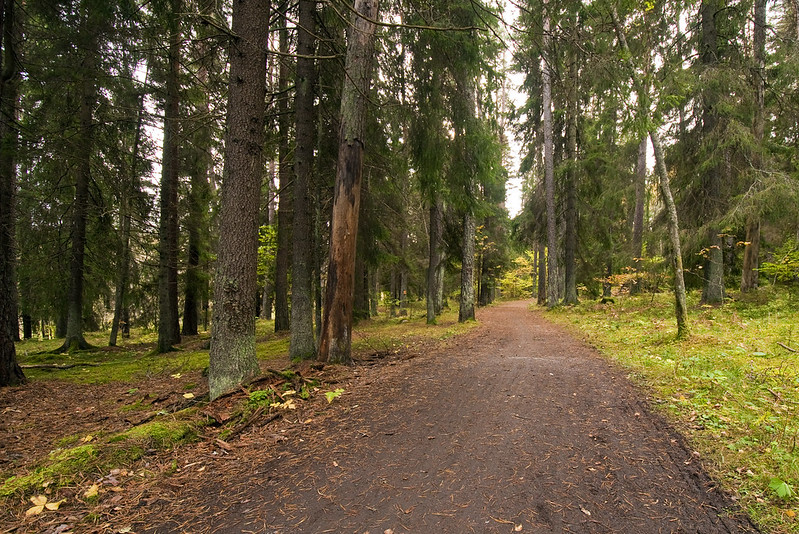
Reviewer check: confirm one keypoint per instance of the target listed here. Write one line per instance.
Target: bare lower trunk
(232, 357)
(168, 322)
(680, 301)
(466, 310)
(335, 343)
(541, 297)
(284, 210)
(74, 334)
(303, 345)
(749, 275)
(638, 215)
(10, 372)
(435, 259)
(549, 168)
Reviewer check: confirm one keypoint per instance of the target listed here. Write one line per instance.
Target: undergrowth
(732, 386)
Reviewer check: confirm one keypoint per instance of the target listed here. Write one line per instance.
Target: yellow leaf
(87, 439)
(188, 395)
(176, 375)
(517, 528)
(38, 500)
(36, 510)
(92, 491)
(790, 513)
(53, 506)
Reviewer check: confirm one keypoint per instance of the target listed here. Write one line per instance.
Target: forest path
(514, 427)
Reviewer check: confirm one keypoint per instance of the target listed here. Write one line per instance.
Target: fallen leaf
(125, 530)
(583, 510)
(790, 513)
(35, 510)
(87, 439)
(38, 500)
(176, 375)
(517, 528)
(92, 491)
(188, 395)
(53, 506)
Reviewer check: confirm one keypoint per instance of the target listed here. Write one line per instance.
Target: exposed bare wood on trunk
(336, 339)
(232, 357)
(10, 372)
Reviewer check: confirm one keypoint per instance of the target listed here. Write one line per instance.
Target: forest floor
(514, 426)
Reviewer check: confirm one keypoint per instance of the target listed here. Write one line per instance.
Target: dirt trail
(513, 427)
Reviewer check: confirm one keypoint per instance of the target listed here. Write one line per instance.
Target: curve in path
(515, 427)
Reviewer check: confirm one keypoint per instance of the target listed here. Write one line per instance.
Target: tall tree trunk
(336, 341)
(749, 275)
(168, 322)
(83, 172)
(435, 260)
(232, 358)
(680, 301)
(284, 210)
(10, 372)
(549, 165)
(681, 306)
(303, 345)
(466, 309)
(713, 291)
(124, 258)
(638, 215)
(570, 234)
(267, 297)
(541, 296)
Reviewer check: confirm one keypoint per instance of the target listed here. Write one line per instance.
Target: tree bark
(435, 260)
(570, 234)
(10, 372)
(541, 297)
(466, 309)
(284, 210)
(232, 357)
(549, 165)
(124, 258)
(336, 339)
(168, 322)
(749, 275)
(713, 291)
(303, 345)
(83, 151)
(638, 215)
(680, 304)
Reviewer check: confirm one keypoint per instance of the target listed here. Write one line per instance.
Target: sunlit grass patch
(732, 387)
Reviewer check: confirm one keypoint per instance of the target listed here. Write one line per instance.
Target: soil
(513, 427)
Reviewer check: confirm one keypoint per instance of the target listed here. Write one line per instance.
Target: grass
(730, 387)
(133, 359)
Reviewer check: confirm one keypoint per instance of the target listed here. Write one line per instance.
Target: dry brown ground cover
(512, 427)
